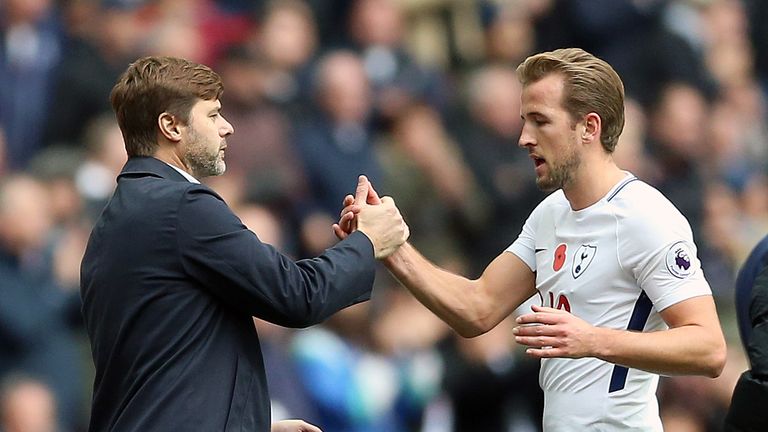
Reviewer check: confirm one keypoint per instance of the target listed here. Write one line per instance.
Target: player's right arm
(471, 307)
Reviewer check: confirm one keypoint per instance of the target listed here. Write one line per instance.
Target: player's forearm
(455, 299)
(686, 350)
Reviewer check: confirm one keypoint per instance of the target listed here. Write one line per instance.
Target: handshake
(377, 218)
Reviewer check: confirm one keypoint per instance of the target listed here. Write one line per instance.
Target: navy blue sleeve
(750, 397)
(757, 260)
(235, 266)
(757, 346)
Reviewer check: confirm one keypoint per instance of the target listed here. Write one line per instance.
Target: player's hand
(554, 333)
(382, 223)
(352, 206)
(377, 218)
(293, 426)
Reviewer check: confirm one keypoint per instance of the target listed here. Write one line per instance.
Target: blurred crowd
(421, 96)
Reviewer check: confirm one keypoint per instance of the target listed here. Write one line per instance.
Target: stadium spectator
(376, 30)
(509, 33)
(483, 378)
(675, 141)
(30, 48)
(261, 154)
(3, 162)
(424, 168)
(631, 153)
(105, 157)
(335, 143)
(287, 41)
(95, 57)
(487, 135)
(27, 405)
(35, 336)
(354, 384)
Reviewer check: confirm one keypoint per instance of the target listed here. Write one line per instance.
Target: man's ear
(170, 126)
(593, 125)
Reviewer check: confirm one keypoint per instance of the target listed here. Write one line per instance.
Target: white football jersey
(614, 264)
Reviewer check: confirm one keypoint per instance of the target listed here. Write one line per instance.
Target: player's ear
(170, 126)
(592, 127)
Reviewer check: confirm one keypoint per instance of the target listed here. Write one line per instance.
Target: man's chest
(577, 264)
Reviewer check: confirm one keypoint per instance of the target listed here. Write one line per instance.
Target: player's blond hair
(591, 85)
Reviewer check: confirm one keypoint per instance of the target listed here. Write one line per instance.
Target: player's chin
(545, 184)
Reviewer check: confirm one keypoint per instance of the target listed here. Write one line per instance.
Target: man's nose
(228, 129)
(526, 138)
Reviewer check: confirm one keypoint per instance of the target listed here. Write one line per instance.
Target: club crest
(582, 259)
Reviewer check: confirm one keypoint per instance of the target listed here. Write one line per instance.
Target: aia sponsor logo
(562, 302)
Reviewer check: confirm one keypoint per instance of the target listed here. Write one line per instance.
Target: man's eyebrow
(533, 113)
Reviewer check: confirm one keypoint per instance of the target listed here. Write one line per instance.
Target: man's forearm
(451, 297)
(686, 350)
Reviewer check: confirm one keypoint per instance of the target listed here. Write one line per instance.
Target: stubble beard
(200, 160)
(561, 175)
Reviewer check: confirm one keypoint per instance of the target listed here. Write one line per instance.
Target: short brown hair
(591, 85)
(153, 85)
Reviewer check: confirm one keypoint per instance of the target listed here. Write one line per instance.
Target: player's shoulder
(643, 210)
(556, 201)
(639, 200)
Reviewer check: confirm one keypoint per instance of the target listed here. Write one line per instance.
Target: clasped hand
(377, 218)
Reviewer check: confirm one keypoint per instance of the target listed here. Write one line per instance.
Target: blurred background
(421, 96)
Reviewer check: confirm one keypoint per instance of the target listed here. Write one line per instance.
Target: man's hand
(558, 334)
(293, 426)
(347, 222)
(377, 218)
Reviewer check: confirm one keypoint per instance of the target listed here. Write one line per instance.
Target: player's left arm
(693, 344)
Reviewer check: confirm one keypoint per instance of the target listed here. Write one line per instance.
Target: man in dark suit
(750, 397)
(171, 277)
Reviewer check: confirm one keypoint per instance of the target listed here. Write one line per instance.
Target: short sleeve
(525, 244)
(658, 249)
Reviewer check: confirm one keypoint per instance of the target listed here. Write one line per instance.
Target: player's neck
(593, 180)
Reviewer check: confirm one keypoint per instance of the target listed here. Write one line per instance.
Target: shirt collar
(184, 173)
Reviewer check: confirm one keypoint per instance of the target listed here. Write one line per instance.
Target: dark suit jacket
(745, 283)
(170, 280)
(750, 397)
